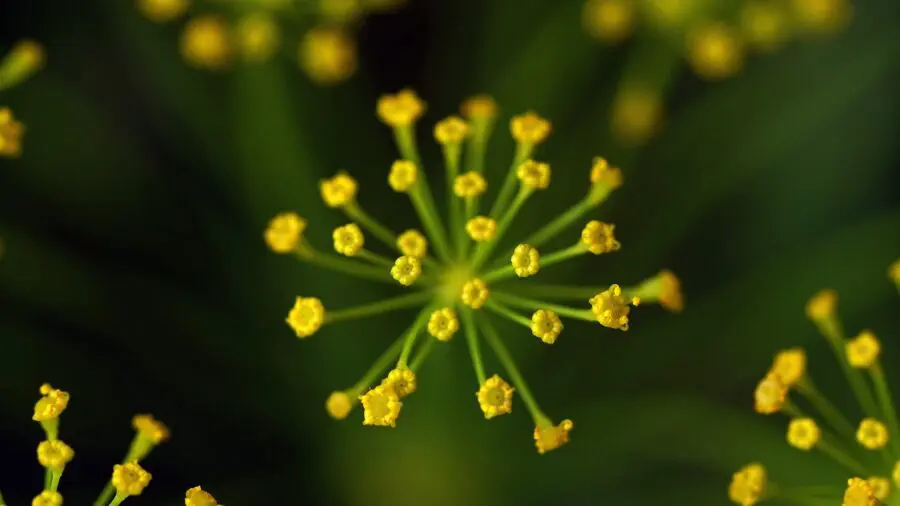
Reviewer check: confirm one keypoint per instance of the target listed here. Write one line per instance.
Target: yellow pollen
(348, 240)
(481, 228)
(412, 243)
(748, 485)
(534, 175)
(859, 493)
(54, 454)
(469, 185)
(307, 316)
(130, 479)
(284, 232)
(400, 110)
(529, 128)
(451, 130)
(161, 11)
(406, 270)
(789, 366)
(339, 405)
(401, 381)
(769, 395)
(495, 397)
(803, 433)
(714, 51)
(47, 498)
(381, 407)
(11, 132)
(863, 350)
(550, 437)
(475, 293)
(479, 107)
(52, 403)
(196, 496)
(207, 42)
(822, 305)
(443, 324)
(526, 261)
(611, 307)
(339, 190)
(403, 175)
(546, 325)
(872, 434)
(598, 237)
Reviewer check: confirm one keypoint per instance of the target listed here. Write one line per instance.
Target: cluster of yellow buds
(251, 30)
(449, 271)
(25, 58)
(128, 478)
(834, 434)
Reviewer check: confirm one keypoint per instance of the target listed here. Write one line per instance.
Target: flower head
(769, 395)
(54, 454)
(803, 433)
(611, 307)
(604, 175)
(161, 11)
(549, 437)
(348, 240)
(748, 485)
(598, 237)
(475, 293)
(715, 51)
(413, 244)
(196, 496)
(339, 190)
(534, 175)
(479, 107)
(285, 232)
(790, 366)
(339, 405)
(872, 434)
(130, 478)
(400, 110)
(481, 228)
(822, 305)
(381, 407)
(443, 323)
(327, 55)
(451, 130)
(546, 325)
(307, 316)
(529, 128)
(47, 498)
(863, 350)
(406, 270)
(402, 381)
(495, 397)
(150, 428)
(11, 132)
(207, 42)
(403, 176)
(526, 261)
(469, 185)
(51, 404)
(859, 493)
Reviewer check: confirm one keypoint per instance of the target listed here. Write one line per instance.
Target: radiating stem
(841, 458)
(346, 266)
(506, 312)
(484, 249)
(375, 258)
(421, 354)
(546, 261)
(377, 368)
(523, 151)
(474, 346)
(832, 332)
(381, 232)
(105, 495)
(454, 205)
(887, 404)
(412, 333)
(376, 308)
(524, 303)
(833, 415)
(559, 292)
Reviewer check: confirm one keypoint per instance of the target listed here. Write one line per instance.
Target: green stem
(421, 354)
(376, 308)
(55, 476)
(430, 220)
(474, 346)
(831, 413)
(375, 258)
(377, 368)
(2, 503)
(347, 266)
(523, 151)
(477, 144)
(841, 458)
(48, 478)
(506, 312)
(546, 261)
(452, 153)
(106, 495)
(494, 341)
(412, 333)
(887, 404)
(559, 292)
(117, 500)
(371, 225)
(834, 336)
(524, 303)
(484, 249)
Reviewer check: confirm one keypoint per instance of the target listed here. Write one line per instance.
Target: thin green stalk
(117, 500)
(106, 495)
(831, 414)
(474, 346)
(377, 308)
(54, 480)
(2, 503)
(523, 151)
(841, 458)
(558, 292)
(835, 338)
(507, 312)
(375, 258)
(454, 206)
(477, 144)
(556, 257)
(421, 354)
(371, 225)
(882, 390)
(430, 220)
(381, 363)
(484, 249)
(534, 304)
(412, 333)
(347, 266)
(506, 360)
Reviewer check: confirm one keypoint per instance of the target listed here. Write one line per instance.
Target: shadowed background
(135, 275)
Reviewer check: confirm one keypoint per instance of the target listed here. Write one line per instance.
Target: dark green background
(135, 276)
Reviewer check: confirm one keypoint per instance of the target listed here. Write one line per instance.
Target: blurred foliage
(135, 276)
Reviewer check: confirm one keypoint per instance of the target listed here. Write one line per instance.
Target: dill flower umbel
(450, 271)
(815, 424)
(127, 479)
(317, 34)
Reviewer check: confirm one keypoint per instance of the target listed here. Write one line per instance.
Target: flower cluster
(448, 269)
(221, 32)
(23, 60)
(128, 478)
(848, 444)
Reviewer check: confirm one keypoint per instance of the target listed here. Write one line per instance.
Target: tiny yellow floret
(803, 433)
(443, 323)
(400, 110)
(546, 325)
(859, 493)
(598, 237)
(161, 11)
(534, 175)
(338, 405)
(769, 395)
(406, 270)
(206, 42)
(307, 316)
(381, 407)
(881, 487)
(150, 428)
(196, 496)
(54, 454)
(257, 36)
(670, 295)
(451, 130)
(413, 243)
(479, 107)
(748, 485)
(339, 190)
(51, 404)
(403, 175)
(609, 20)
(47, 498)
(894, 272)
(863, 350)
(11, 132)
(822, 305)
(872, 434)
(402, 381)
(550, 437)
(285, 232)
(469, 185)
(130, 479)
(790, 366)
(348, 239)
(714, 51)
(475, 293)
(327, 55)
(529, 128)
(611, 307)
(495, 397)
(526, 261)
(603, 174)
(481, 228)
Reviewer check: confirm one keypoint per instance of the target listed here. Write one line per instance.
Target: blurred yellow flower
(11, 132)
(258, 36)
(609, 20)
(413, 244)
(327, 55)
(403, 175)
(481, 228)
(284, 233)
(715, 51)
(550, 437)
(803, 433)
(54, 454)
(748, 485)
(162, 10)
(206, 42)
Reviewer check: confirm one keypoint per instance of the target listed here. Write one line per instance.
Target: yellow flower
(863, 350)
(475, 293)
(769, 395)
(546, 325)
(348, 240)
(859, 493)
(872, 434)
(257, 36)
(803, 433)
(339, 190)
(443, 323)
(495, 397)
(150, 428)
(534, 175)
(284, 232)
(894, 272)
(790, 366)
(611, 307)
(327, 55)
(401, 381)
(479, 107)
(130, 479)
(340, 11)
(381, 407)
(526, 261)
(748, 485)
(47, 498)
(469, 185)
(598, 237)
(161, 11)
(54, 454)
(881, 487)
(670, 296)
(339, 405)
(196, 496)
(403, 176)
(764, 25)
(400, 110)
(52, 403)
(822, 16)
(529, 128)
(603, 174)
(609, 20)
(406, 270)
(307, 316)
(481, 228)
(451, 130)
(11, 132)
(636, 114)
(550, 437)
(206, 42)
(822, 305)
(714, 51)
(413, 244)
